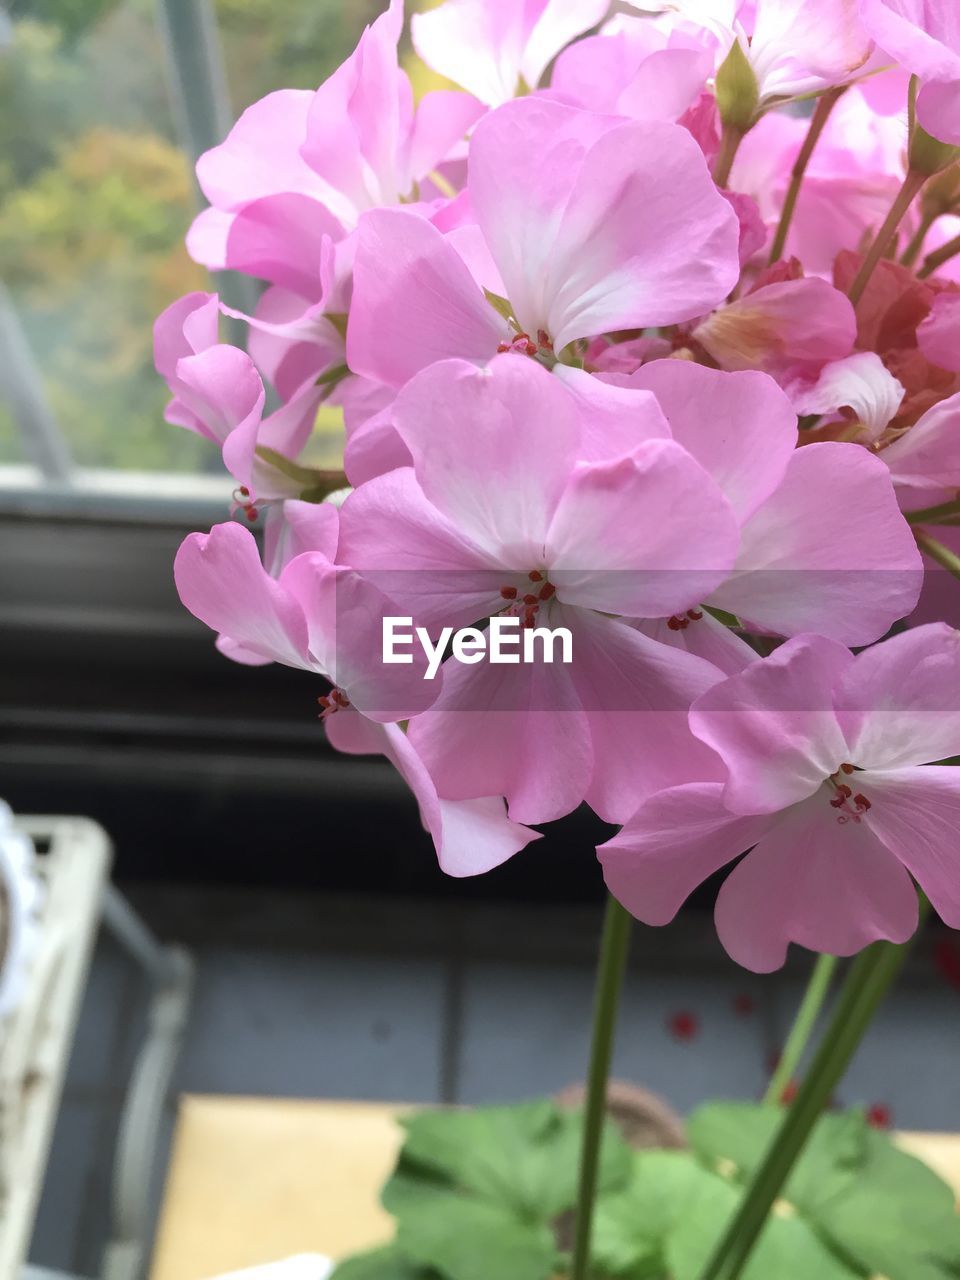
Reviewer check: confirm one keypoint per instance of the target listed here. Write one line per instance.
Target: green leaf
(464, 1238)
(524, 1158)
(500, 304)
(382, 1264)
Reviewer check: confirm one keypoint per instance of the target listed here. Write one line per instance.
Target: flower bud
(929, 155)
(738, 92)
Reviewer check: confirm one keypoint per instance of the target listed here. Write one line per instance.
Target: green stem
(614, 945)
(912, 186)
(912, 252)
(934, 515)
(800, 1033)
(939, 257)
(818, 120)
(729, 146)
(869, 978)
(944, 557)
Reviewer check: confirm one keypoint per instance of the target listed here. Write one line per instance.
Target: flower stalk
(614, 947)
(818, 121)
(868, 981)
(799, 1037)
(912, 186)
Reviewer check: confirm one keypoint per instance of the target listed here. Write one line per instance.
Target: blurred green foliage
(96, 195)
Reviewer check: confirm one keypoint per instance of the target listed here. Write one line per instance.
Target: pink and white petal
(861, 382)
(615, 416)
(676, 840)
(644, 237)
(828, 552)
(774, 725)
(795, 324)
(559, 22)
(938, 336)
(645, 535)
(923, 35)
(928, 455)
(280, 238)
(373, 448)
(799, 45)
(414, 301)
(474, 43)
(186, 327)
(443, 117)
(915, 812)
(206, 238)
(221, 581)
(705, 637)
(293, 527)
(288, 428)
(899, 702)
(818, 881)
(516, 731)
(938, 108)
(237, 653)
(492, 449)
(666, 84)
(344, 614)
(637, 695)
(416, 555)
(746, 439)
(261, 154)
(594, 71)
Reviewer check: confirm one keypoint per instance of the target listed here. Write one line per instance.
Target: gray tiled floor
(420, 1002)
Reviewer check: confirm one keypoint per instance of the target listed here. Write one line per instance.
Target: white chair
(55, 911)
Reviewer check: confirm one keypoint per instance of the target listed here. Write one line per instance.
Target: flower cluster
(650, 331)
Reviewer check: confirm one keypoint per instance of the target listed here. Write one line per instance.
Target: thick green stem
(614, 946)
(934, 515)
(799, 1037)
(818, 120)
(912, 186)
(939, 257)
(944, 557)
(912, 252)
(870, 976)
(729, 146)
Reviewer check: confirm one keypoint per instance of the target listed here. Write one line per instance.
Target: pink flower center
(523, 345)
(851, 805)
(680, 623)
(332, 702)
(527, 606)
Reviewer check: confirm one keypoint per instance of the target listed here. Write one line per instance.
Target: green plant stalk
(912, 186)
(869, 978)
(934, 515)
(939, 257)
(614, 945)
(944, 557)
(813, 1000)
(729, 146)
(912, 252)
(818, 120)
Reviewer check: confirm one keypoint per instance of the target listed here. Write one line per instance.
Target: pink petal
(417, 556)
(793, 325)
(923, 35)
(645, 535)
(206, 238)
(597, 225)
(186, 327)
(828, 552)
(470, 836)
(915, 812)
(746, 440)
(615, 416)
(774, 725)
(900, 700)
(222, 582)
(704, 637)
(294, 527)
(516, 731)
(860, 382)
(223, 388)
(443, 117)
(675, 841)
(799, 45)
(928, 455)
(280, 238)
(939, 334)
(938, 108)
(637, 694)
(827, 885)
(492, 449)
(414, 301)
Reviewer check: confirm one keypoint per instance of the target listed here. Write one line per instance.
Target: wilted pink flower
(829, 776)
(499, 48)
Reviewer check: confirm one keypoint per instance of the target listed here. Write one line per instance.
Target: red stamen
(678, 624)
(529, 600)
(694, 614)
(535, 575)
(547, 591)
(543, 338)
(508, 593)
(862, 803)
(848, 768)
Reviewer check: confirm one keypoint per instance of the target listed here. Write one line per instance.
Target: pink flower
(592, 225)
(861, 383)
(924, 461)
(470, 836)
(315, 615)
(498, 48)
(829, 780)
(218, 393)
(938, 336)
(497, 513)
(787, 329)
(924, 37)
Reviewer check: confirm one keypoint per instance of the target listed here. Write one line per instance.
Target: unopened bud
(929, 155)
(738, 92)
(942, 193)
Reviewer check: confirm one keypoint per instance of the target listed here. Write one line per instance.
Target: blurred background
(334, 960)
